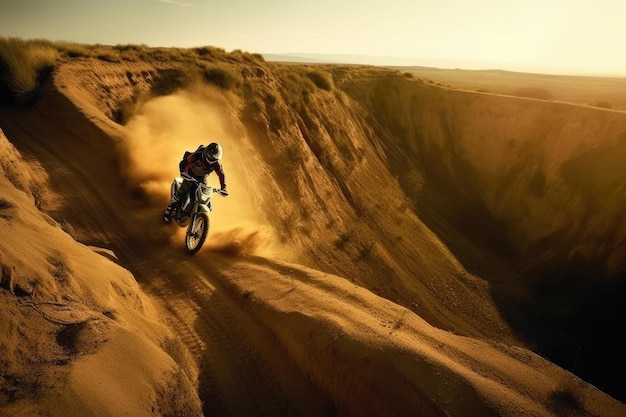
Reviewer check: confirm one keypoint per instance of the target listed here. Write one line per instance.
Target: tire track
(243, 370)
(180, 316)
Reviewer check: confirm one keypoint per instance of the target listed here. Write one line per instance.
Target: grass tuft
(321, 80)
(220, 76)
(24, 64)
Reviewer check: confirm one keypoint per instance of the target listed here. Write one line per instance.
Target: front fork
(191, 229)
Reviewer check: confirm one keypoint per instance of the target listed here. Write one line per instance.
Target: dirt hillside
(388, 248)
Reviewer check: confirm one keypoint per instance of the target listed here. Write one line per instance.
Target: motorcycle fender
(205, 208)
(176, 185)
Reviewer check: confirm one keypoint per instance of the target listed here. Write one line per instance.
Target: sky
(546, 36)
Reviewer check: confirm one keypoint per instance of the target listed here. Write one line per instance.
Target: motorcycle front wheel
(197, 232)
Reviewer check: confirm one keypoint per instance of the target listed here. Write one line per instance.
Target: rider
(198, 165)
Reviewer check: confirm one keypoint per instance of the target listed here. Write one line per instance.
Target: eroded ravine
(242, 369)
(249, 359)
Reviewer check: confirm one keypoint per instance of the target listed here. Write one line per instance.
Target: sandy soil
(324, 288)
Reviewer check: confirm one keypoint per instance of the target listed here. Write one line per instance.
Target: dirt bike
(192, 211)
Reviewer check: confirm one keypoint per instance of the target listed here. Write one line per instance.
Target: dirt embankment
(74, 323)
(534, 185)
(540, 170)
(377, 197)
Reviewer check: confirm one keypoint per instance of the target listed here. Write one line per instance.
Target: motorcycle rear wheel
(197, 232)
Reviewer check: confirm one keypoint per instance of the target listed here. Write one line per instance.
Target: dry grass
(298, 83)
(321, 80)
(23, 64)
(221, 76)
(597, 91)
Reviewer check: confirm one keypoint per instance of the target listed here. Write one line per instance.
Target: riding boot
(167, 215)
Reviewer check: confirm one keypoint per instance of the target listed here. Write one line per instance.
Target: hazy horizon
(446, 64)
(546, 36)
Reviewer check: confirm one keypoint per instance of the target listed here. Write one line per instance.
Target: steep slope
(317, 179)
(525, 194)
(75, 325)
(537, 184)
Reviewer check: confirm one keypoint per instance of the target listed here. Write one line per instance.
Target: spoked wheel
(197, 232)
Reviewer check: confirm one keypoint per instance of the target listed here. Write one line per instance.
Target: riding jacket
(194, 164)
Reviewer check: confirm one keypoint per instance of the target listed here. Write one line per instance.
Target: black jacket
(194, 164)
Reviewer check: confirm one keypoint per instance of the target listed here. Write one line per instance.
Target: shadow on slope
(69, 314)
(529, 195)
(399, 266)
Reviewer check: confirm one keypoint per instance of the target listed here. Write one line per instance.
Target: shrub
(207, 52)
(130, 52)
(220, 77)
(295, 88)
(23, 65)
(258, 57)
(168, 81)
(130, 47)
(108, 56)
(160, 54)
(74, 50)
(321, 80)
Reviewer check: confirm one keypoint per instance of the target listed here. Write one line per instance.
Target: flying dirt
(388, 247)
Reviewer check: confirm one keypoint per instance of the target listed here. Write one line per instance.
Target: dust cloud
(161, 131)
(159, 134)
(237, 241)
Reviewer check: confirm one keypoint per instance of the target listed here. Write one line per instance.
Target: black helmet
(213, 152)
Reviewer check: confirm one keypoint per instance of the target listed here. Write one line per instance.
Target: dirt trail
(271, 337)
(243, 370)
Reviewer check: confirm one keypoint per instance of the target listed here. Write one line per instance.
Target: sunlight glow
(543, 35)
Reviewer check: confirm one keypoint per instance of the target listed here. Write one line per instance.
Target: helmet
(212, 153)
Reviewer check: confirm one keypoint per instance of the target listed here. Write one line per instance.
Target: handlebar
(219, 191)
